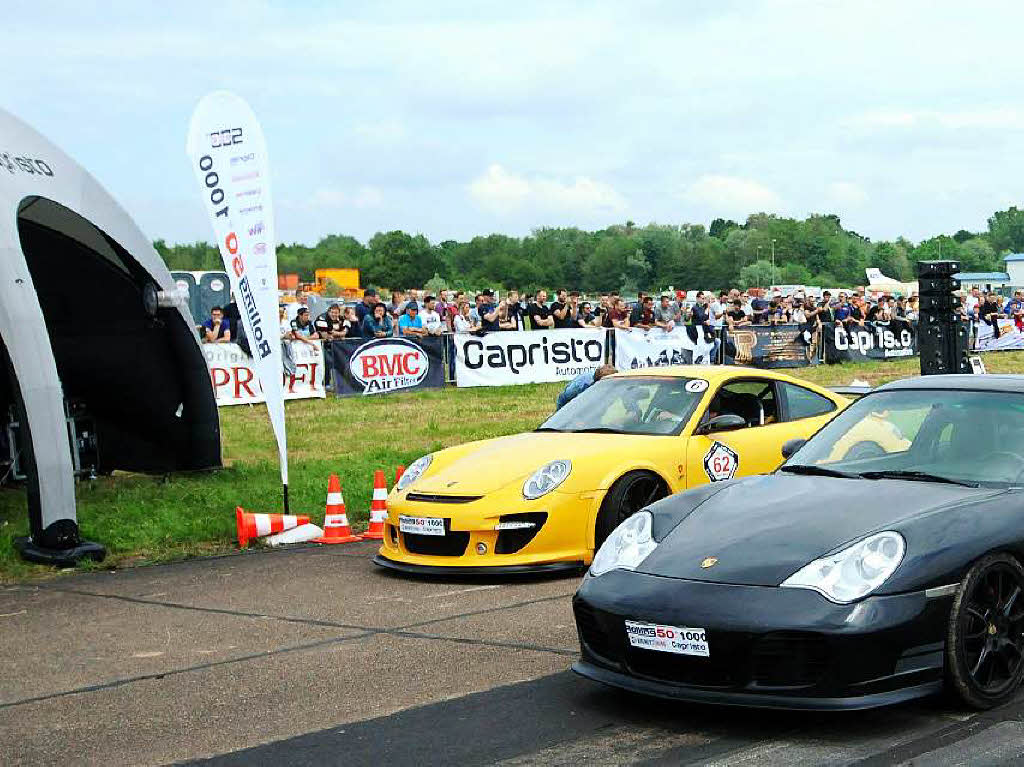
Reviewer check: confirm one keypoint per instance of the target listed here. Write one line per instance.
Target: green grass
(151, 519)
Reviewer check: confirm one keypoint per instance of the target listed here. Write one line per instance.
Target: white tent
(81, 319)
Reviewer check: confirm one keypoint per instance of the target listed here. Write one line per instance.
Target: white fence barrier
(234, 378)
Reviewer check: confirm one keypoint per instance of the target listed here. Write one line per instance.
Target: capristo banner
(235, 381)
(229, 157)
(655, 348)
(386, 365)
(987, 340)
(534, 356)
(771, 346)
(895, 339)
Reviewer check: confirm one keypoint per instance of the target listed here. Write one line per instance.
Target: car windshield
(641, 405)
(964, 437)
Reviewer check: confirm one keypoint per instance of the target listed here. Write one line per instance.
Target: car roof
(710, 373)
(962, 382)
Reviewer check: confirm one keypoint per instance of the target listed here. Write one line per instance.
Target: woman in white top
(461, 322)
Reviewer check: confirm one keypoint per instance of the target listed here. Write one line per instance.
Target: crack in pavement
(402, 632)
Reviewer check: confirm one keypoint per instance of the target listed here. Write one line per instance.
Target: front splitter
(546, 568)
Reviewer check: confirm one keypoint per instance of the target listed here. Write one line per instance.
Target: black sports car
(855, 576)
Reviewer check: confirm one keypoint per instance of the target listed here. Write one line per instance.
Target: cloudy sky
(457, 119)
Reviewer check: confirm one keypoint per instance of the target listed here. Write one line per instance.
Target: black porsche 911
(861, 573)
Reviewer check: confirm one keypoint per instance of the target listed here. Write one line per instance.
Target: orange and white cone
(336, 526)
(378, 507)
(257, 525)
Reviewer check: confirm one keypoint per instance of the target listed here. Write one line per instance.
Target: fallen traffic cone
(257, 525)
(378, 507)
(300, 534)
(399, 472)
(336, 527)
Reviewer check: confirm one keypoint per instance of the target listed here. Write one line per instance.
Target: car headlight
(546, 478)
(855, 571)
(627, 546)
(414, 472)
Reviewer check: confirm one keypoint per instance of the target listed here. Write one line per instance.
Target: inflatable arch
(90, 323)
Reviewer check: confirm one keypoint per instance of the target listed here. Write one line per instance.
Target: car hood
(763, 529)
(484, 467)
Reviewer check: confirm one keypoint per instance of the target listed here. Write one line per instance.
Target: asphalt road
(313, 656)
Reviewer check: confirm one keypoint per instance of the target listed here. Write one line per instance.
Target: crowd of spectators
(416, 314)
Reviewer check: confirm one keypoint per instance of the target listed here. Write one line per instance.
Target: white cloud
(847, 193)
(367, 197)
(732, 196)
(332, 197)
(328, 197)
(499, 191)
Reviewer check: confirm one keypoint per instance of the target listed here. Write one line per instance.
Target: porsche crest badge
(709, 562)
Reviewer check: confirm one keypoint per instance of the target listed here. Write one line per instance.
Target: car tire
(630, 493)
(985, 635)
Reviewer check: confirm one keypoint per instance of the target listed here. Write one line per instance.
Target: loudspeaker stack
(943, 333)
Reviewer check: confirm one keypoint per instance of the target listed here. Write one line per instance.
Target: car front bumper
(768, 647)
(561, 538)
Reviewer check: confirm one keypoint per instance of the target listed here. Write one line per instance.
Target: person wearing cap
(488, 312)
(411, 324)
(365, 306)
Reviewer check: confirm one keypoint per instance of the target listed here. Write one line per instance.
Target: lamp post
(773, 261)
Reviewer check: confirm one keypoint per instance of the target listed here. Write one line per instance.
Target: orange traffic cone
(399, 472)
(336, 527)
(378, 507)
(256, 525)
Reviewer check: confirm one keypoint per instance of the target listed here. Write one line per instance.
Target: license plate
(675, 639)
(421, 525)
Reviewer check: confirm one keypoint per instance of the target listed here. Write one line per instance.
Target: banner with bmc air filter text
(385, 365)
(229, 157)
(684, 345)
(892, 340)
(527, 356)
(235, 381)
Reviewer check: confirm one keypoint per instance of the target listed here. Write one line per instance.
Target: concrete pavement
(313, 656)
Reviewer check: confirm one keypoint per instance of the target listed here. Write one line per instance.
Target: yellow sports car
(546, 499)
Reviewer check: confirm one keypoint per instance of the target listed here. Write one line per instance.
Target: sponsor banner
(237, 198)
(235, 381)
(534, 356)
(772, 346)
(655, 348)
(674, 639)
(385, 365)
(986, 339)
(895, 339)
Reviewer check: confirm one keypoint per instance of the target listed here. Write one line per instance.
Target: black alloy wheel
(631, 492)
(985, 640)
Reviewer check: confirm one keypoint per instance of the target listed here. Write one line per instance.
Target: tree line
(817, 250)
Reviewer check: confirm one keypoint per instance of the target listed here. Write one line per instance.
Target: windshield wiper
(920, 476)
(598, 430)
(820, 471)
(547, 428)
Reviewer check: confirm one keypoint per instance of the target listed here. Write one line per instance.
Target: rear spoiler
(851, 391)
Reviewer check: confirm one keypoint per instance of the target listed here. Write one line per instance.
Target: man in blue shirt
(581, 383)
(411, 324)
(217, 329)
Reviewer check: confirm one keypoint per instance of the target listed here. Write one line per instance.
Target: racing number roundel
(721, 462)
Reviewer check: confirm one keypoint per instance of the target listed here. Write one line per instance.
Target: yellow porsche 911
(546, 499)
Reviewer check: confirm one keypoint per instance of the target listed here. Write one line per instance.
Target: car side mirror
(724, 422)
(790, 446)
